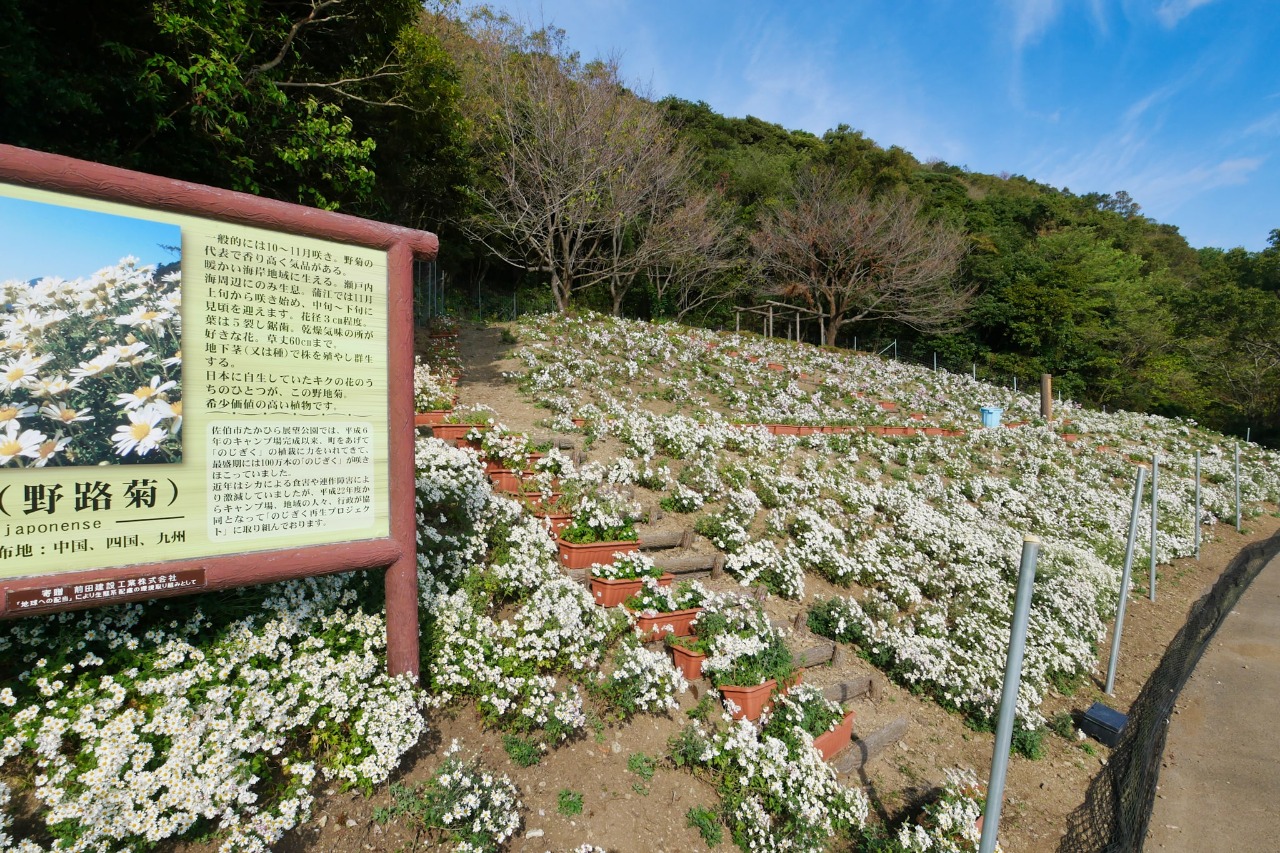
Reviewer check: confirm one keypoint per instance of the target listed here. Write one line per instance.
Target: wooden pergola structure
(769, 310)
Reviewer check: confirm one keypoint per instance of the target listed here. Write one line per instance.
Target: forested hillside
(553, 182)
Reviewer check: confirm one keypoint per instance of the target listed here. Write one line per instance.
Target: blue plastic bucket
(991, 416)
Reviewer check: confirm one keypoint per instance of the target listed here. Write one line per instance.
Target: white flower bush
(643, 681)
(775, 797)
(189, 723)
(949, 823)
(91, 369)
(463, 803)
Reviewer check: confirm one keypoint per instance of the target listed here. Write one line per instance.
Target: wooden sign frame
(396, 552)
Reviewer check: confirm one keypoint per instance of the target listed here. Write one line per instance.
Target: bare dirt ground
(622, 813)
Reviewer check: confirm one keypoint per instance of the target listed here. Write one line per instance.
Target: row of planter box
(813, 429)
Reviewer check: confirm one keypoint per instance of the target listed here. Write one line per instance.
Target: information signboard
(189, 378)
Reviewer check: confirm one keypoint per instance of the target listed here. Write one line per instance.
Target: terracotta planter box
(555, 521)
(689, 663)
(784, 429)
(751, 701)
(677, 623)
(505, 481)
(939, 431)
(898, 431)
(584, 556)
(830, 743)
(431, 418)
(611, 593)
(917, 416)
(887, 405)
(1069, 437)
(453, 432)
(772, 365)
(579, 422)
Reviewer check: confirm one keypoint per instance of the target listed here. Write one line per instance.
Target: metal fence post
(1196, 530)
(1009, 697)
(1155, 511)
(1125, 577)
(1237, 487)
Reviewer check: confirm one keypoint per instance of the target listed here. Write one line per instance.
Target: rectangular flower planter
(610, 593)
(555, 521)
(830, 743)
(750, 701)
(452, 432)
(584, 556)
(505, 481)
(431, 418)
(677, 623)
(689, 663)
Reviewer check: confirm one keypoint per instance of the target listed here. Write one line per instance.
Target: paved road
(1219, 787)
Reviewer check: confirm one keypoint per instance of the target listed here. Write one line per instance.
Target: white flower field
(218, 717)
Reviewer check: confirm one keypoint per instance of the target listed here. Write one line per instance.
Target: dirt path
(1218, 785)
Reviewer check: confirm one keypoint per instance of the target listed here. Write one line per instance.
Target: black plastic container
(1103, 724)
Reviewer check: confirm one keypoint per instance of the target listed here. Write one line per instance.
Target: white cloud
(1170, 12)
(1266, 126)
(1031, 18)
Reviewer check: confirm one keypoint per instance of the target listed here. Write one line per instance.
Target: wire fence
(1118, 804)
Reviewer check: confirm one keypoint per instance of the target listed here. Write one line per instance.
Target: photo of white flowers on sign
(90, 337)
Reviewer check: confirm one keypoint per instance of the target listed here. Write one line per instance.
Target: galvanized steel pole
(1125, 578)
(1009, 697)
(1196, 532)
(1155, 512)
(1237, 487)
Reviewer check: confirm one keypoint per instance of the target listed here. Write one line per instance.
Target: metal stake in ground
(1237, 487)
(1196, 523)
(1155, 512)
(1009, 698)
(1124, 581)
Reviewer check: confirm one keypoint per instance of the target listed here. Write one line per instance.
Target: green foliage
(1063, 724)
(707, 822)
(643, 766)
(686, 747)
(1029, 743)
(524, 751)
(569, 803)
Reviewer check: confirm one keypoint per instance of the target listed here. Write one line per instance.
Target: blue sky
(1175, 101)
(38, 240)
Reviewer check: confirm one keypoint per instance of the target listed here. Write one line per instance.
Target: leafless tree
(580, 167)
(698, 246)
(856, 257)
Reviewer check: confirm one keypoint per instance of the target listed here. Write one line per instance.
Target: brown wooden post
(402, 575)
(1046, 396)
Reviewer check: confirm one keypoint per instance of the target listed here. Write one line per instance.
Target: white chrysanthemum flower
(15, 444)
(142, 434)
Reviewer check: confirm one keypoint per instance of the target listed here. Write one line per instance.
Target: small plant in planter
(465, 422)
(747, 659)
(614, 582)
(508, 450)
(666, 610)
(804, 708)
(473, 415)
(603, 524)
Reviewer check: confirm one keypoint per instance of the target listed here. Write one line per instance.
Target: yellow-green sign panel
(174, 387)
